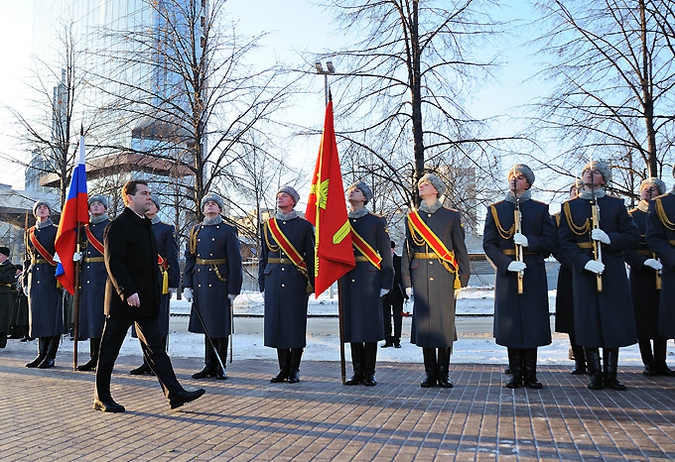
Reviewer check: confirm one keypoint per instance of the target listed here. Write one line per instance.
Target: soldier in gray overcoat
(661, 240)
(45, 302)
(213, 277)
(92, 280)
(286, 281)
(602, 318)
(432, 278)
(645, 286)
(362, 289)
(169, 273)
(521, 320)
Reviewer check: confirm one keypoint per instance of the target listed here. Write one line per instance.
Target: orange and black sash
(39, 247)
(98, 245)
(366, 249)
(286, 245)
(432, 240)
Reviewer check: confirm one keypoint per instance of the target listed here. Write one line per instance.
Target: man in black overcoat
(392, 305)
(132, 296)
(7, 272)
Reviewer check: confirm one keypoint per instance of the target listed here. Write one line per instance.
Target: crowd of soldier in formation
(593, 237)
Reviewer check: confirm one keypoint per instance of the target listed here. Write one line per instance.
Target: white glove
(600, 235)
(654, 264)
(593, 266)
(383, 292)
(520, 239)
(516, 266)
(77, 256)
(187, 294)
(408, 292)
(25, 291)
(231, 298)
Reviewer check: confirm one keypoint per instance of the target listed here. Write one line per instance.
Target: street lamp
(320, 70)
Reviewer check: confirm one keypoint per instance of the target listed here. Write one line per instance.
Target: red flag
(75, 210)
(327, 211)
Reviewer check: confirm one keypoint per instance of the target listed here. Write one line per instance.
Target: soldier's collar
(154, 220)
(99, 219)
(526, 196)
(212, 221)
(44, 224)
(286, 216)
(430, 208)
(588, 195)
(359, 213)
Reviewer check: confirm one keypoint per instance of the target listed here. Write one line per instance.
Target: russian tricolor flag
(74, 211)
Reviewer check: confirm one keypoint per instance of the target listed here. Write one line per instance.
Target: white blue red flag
(75, 211)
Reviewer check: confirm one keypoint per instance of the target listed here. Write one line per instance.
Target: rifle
(518, 224)
(595, 221)
(658, 272)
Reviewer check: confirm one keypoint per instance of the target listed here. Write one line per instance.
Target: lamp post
(320, 70)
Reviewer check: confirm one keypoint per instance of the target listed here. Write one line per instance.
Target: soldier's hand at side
(77, 256)
(383, 292)
(25, 291)
(654, 264)
(593, 266)
(134, 300)
(409, 292)
(600, 235)
(187, 294)
(520, 239)
(516, 266)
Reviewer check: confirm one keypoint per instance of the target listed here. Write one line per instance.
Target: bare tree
(404, 88)
(612, 64)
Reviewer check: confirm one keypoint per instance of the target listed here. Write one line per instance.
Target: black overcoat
(564, 295)
(661, 239)
(92, 284)
(433, 323)
(520, 320)
(131, 261)
(211, 283)
(360, 288)
(7, 273)
(45, 301)
(642, 278)
(285, 288)
(601, 319)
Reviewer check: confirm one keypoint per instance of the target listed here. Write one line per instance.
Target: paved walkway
(46, 415)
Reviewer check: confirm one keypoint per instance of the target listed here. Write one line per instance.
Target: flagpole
(343, 365)
(76, 301)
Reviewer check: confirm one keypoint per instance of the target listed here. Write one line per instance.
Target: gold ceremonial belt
(512, 252)
(280, 261)
(6, 285)
(213, 261)
(425, 255)
(585, 245)
(672, 243)
(93, 260)
(647, 253)
(361, 258)
(38, 261)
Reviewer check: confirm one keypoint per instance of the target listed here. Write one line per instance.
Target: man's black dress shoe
(185, 396)
(108, 405)
(142, 369)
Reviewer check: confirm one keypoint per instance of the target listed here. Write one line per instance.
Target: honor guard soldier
(45, 301)
(7, 272)
(286, 277)
(213, 277)
(518, 236)
(661, 241)
(169, 273)
(645, 286)
(92, 281)
(362, 289)
(595, 231)
(435, 266)
(564, 302)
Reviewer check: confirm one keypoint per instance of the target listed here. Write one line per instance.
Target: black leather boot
(369, 360)
(647, 357)
(610, 357)
(516, 366)
(43, 344)
(52, 348)
(221, 345)
(430, 367)
(594, 370)
(579, 358)
(284, 357)
(530, 374)
(358, 352)
(94, 344)
(444, 367)
(294, 374)
(660, 358)
(210, 366)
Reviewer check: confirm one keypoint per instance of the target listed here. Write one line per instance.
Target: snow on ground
(478, 348)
